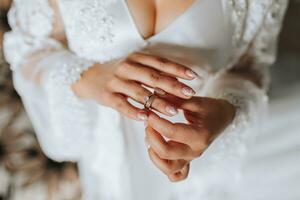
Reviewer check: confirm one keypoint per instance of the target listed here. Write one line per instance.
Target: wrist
(79, 86)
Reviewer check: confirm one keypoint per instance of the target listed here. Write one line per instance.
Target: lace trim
(219, 168)
(258, 21)
(34, 17)
(238, 16)
(265, 44)
(17, 46)
(66, 110)
(93, 33)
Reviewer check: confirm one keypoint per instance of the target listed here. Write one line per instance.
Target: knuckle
(169, 170)
(197, 153)
(119, 68)
(154, 78)
(132, 56)
(177, 69)
(159, 104)
(173, 179)
(112, 83)
(167, 132)
(140, 94)
(126, 64)
(174, 166)
(162, 62)
(119, 105)
(164, 152)
(175, 84)
(184, 176)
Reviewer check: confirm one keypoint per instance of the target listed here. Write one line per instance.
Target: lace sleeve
(43, 71)
(245, 85)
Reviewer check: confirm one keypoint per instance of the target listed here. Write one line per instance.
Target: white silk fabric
(209, 37)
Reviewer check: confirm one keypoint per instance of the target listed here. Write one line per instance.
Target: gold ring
(149, 100)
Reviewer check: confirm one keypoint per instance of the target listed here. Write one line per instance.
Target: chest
(152, 16)
(102, 30)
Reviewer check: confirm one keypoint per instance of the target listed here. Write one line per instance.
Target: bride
(143, 94)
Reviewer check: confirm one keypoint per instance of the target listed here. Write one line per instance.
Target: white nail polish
(191, 73)
(171, 110)
(188, 92)
(142, 116)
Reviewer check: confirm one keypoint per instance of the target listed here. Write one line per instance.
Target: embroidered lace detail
(257, 25)
(238, 17)
(33, 17)
(17, 46)
(68, 114)
(264, 47)
(90, 23)
(94, 34)
(220, 165)
(31, 22)
(70, 70)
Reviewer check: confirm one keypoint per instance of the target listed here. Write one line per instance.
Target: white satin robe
(210, 37)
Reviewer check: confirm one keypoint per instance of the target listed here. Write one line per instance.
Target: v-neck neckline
(165, 29)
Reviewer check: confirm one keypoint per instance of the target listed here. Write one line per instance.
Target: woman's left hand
(206, 117)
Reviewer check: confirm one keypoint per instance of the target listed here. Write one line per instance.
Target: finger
(168, 167)
(170, 98)
(178, 132)
(181, 175)
(168, 150)
(164, 65)
(197, 104)
(120, 104)
(154, 79)
(138, 93)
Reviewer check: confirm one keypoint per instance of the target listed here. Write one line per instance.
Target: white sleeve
(220, 167)
(60, 119)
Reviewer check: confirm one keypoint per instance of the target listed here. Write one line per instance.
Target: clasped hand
(206, 117)
(113, 85)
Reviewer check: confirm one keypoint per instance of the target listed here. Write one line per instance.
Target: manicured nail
(188, 91)
(142, 116)
(171, 110)
(147, 143)
(190, 73)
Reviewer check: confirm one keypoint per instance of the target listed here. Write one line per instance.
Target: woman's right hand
(112, 85)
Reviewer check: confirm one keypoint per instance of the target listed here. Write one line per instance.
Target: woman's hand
(207, 118)
(112, 85)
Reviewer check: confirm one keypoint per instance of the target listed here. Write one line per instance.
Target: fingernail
(190, 73)
(188, 91)
(147, 143)
(142, 116)
(171, 110)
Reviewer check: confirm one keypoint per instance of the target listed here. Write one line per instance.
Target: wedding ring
(149, 100)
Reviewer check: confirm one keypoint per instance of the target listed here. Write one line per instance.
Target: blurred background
(26, 173)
